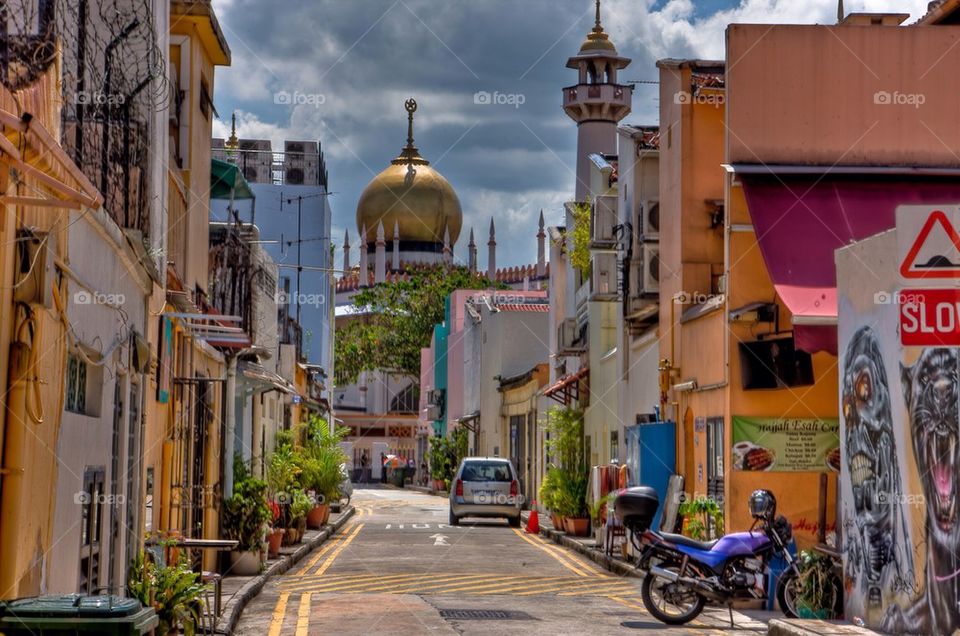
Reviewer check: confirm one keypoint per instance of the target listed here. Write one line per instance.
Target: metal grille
(113, 86)
(484, 615)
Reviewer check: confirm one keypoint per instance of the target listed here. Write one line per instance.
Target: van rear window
(486, 471)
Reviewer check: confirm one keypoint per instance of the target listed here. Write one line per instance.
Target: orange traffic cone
(533, 521)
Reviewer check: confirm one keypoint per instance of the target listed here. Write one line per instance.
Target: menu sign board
(786, 444)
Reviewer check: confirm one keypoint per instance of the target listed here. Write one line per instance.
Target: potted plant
(300, 505)
(275, 536)
(564, 427)
(246, 519)
(319, 460)
(548, 495)
(819, 586)
(173, 591)
(702, 517)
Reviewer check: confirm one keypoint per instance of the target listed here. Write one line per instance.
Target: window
(76, 384)
(206, 103)
(615, 445)
(406, 401)
(715, 458)
(486, 471)
(83, 385)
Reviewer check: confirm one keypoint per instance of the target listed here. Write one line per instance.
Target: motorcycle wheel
(788, 588)
(652, 592)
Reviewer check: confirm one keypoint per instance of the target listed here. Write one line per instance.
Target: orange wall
(822, 80)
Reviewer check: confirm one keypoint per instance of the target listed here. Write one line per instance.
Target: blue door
(652, 457)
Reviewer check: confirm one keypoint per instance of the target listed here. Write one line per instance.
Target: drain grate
(484, 615)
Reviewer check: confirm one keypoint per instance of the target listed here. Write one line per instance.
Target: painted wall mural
(900, 469)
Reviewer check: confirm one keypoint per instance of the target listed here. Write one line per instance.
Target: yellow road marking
(393, 587)
(333, 555)
(455, 586)
(543, 587)
(276, 621)
(303, 615)
(601, 590)
(557, 557)
(584, 564)
(623, 601)
(316, 585)
(330, 544)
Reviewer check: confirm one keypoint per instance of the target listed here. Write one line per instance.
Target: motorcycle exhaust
(695, 584)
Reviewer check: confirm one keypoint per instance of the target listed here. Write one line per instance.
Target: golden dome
(410, 194)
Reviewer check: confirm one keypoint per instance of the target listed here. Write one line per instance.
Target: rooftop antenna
(840, 13)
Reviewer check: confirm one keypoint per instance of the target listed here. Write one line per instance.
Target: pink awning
(801, 219)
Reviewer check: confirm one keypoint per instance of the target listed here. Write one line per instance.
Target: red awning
(801, 219)
(567, 388)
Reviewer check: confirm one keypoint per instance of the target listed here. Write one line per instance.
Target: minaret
(472, 253)
(380, 257)
(396, 246)
(364, 280)
(596, 102)
(346, 253)
(541, 249)
(447, 252)
(492, 254)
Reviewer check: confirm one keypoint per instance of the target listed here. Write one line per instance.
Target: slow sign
(929, 317)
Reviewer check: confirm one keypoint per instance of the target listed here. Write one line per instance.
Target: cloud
(360, 60)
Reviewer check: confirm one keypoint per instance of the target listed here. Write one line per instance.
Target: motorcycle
(682, 574)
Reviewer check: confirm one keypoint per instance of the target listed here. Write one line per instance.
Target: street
(398, 567)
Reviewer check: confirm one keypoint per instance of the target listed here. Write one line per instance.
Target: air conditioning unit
(650, 223)
(435, 398)
(568, 337)
(650, 268)
(604, 285)
(433, 412)
(604, 219)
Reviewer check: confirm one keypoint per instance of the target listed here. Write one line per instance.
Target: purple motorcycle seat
(679, 539)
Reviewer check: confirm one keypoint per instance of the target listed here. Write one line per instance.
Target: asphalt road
(397, 568)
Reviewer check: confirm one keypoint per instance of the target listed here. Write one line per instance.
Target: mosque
(417, 209)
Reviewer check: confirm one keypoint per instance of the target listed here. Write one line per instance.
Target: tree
(395, 320)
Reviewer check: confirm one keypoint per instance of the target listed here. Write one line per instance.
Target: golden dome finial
(410, 154)
(232, 142)
(597, 39)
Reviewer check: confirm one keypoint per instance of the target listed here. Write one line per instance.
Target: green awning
(227, 182)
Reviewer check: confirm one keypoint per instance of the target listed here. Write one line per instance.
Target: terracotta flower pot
(274, 541)
(577, 526)
(556, 520)
(318, 516)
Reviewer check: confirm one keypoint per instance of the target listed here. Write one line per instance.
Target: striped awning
(537, 307)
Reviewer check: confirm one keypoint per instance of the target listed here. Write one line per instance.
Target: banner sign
(786, 444)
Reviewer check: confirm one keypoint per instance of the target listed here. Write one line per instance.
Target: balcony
(607, 102)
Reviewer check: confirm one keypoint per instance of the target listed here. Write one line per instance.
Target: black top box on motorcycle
(637, 506)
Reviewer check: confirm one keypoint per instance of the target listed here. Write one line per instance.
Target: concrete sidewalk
(239, 590)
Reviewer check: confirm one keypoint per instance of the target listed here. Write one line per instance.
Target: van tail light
(459, 492)
(514, 488)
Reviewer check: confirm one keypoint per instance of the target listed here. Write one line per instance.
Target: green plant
(699, 513)
(246, 515)
(564, 428)
(596, 507)
(442, 458)
(580, 254)
(319, 458)
(173, 591)
(547, 493)
(572, 494)
(300, 505)
(819, 586)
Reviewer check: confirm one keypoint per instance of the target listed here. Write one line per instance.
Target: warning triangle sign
(935, 252)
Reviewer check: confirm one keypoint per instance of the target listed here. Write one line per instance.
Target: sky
(338, 71)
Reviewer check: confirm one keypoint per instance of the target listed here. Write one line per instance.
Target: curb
(235, 606)
(804, 627)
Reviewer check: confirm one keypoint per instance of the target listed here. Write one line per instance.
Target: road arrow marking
(439, 539)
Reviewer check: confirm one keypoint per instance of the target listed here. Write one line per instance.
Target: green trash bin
(75, 614)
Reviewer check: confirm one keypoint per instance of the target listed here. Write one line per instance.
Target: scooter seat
(679, 539)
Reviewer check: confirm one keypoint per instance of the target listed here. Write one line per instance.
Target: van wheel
(454, 519)
(515, 521)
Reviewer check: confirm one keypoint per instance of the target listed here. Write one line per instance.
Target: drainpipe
(230, 408)
(256, 444)
(11, 470)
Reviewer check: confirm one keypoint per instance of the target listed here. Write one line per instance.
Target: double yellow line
(577, 567)
(332, 550)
